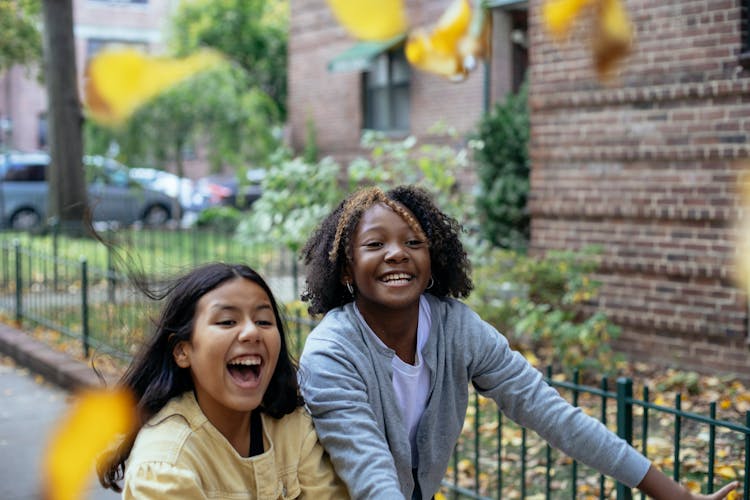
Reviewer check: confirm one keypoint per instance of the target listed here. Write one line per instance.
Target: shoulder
(164, 436)
(338, 331)
(449, 311)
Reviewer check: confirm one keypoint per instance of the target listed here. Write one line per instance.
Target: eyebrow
(231, 307)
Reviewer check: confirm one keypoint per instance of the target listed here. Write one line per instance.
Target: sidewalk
(56, 367)
(30, 408)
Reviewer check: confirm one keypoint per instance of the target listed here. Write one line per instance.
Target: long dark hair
(154, 377)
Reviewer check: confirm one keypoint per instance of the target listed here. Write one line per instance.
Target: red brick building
(644, 166)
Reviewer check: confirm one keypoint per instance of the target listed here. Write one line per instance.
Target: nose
(249, 332)
(396, 252)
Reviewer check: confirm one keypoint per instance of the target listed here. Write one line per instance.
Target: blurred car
(181, 188)
(227, 189)
(112, 195)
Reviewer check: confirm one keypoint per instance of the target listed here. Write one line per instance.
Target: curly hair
(328, 250)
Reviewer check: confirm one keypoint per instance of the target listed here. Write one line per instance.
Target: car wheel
(156, 215)
(25, 219)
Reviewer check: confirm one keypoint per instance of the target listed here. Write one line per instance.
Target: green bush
(545, 306)
(500, 148)
(298, 194)
(220, 218)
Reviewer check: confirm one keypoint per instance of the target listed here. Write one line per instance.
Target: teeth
(397, 276)
(246, 361)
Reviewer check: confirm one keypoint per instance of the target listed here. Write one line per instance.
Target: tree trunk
(67, 184)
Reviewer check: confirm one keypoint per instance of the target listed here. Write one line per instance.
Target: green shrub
(545, 305)
(220, 218)
(500, 148)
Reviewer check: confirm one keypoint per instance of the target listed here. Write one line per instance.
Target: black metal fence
(75, 287)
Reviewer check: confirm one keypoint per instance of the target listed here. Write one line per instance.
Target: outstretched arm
(657, 485)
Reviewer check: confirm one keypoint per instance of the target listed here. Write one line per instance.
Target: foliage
(221, 218)
(501, 152)
(21, 41)
(542, 305)
(253, 33)
(297, 194)
(310, 153)
(214, 110)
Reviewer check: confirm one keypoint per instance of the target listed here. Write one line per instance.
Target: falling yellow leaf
(613, 36)
(560, 14)
(452, 48)
(373, 20)
(611, 33)
(119, 81)
(94, 420)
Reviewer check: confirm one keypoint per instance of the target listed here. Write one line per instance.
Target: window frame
(390, 86)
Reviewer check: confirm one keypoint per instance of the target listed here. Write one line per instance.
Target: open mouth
(245, 369)
(396, 278)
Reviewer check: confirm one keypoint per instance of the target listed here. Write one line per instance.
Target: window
(25, 172)
(386, 93)
(41, 125)
(94, 45)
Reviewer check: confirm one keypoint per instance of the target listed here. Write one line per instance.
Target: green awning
(359, 56)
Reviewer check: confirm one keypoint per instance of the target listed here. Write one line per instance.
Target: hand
(657, 485)
(721, 494)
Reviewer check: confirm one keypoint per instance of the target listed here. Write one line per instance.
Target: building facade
(23, 99)
(644, 166)
(647, 168)
(342, 87)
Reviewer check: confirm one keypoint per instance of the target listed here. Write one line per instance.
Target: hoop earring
(432, 282)
(350, 288)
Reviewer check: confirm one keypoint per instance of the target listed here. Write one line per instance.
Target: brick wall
(646, 168)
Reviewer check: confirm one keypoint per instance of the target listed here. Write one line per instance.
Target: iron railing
(88, 299)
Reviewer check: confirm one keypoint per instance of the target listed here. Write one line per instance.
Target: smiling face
(234, 348)
(390, 265)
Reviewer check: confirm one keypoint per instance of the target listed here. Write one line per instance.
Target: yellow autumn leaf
(94, 420)
(742, 274)
(559, 15)
(119, 81)
(612, 38)
(726, 472)
(372, 20)
(453, 46)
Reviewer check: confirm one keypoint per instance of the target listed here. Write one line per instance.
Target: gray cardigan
(346, 381)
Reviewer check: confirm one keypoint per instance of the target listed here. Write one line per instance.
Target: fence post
(111, 282)
(55, 253)
(624, 424)
(85, 306)
(19, 281)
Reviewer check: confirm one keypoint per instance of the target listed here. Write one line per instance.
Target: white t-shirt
(410, 382)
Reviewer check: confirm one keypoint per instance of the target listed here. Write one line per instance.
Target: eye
(373, 244)
(415, 243)
(264, 322)
(226, 322)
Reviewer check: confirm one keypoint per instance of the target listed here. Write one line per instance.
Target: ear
(181, 354)
(346, 275)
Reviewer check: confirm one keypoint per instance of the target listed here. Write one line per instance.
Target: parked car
(112, 194)
(228, 190)
(172, 185)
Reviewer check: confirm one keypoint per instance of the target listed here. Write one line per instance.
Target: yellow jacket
(180, 454)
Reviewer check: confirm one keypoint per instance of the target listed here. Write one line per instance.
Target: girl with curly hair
(386, 372)
(218, 402)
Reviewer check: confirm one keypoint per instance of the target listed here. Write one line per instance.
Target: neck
(397, 330)
(233, 425)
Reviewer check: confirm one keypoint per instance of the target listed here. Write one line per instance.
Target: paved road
(29, 408)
